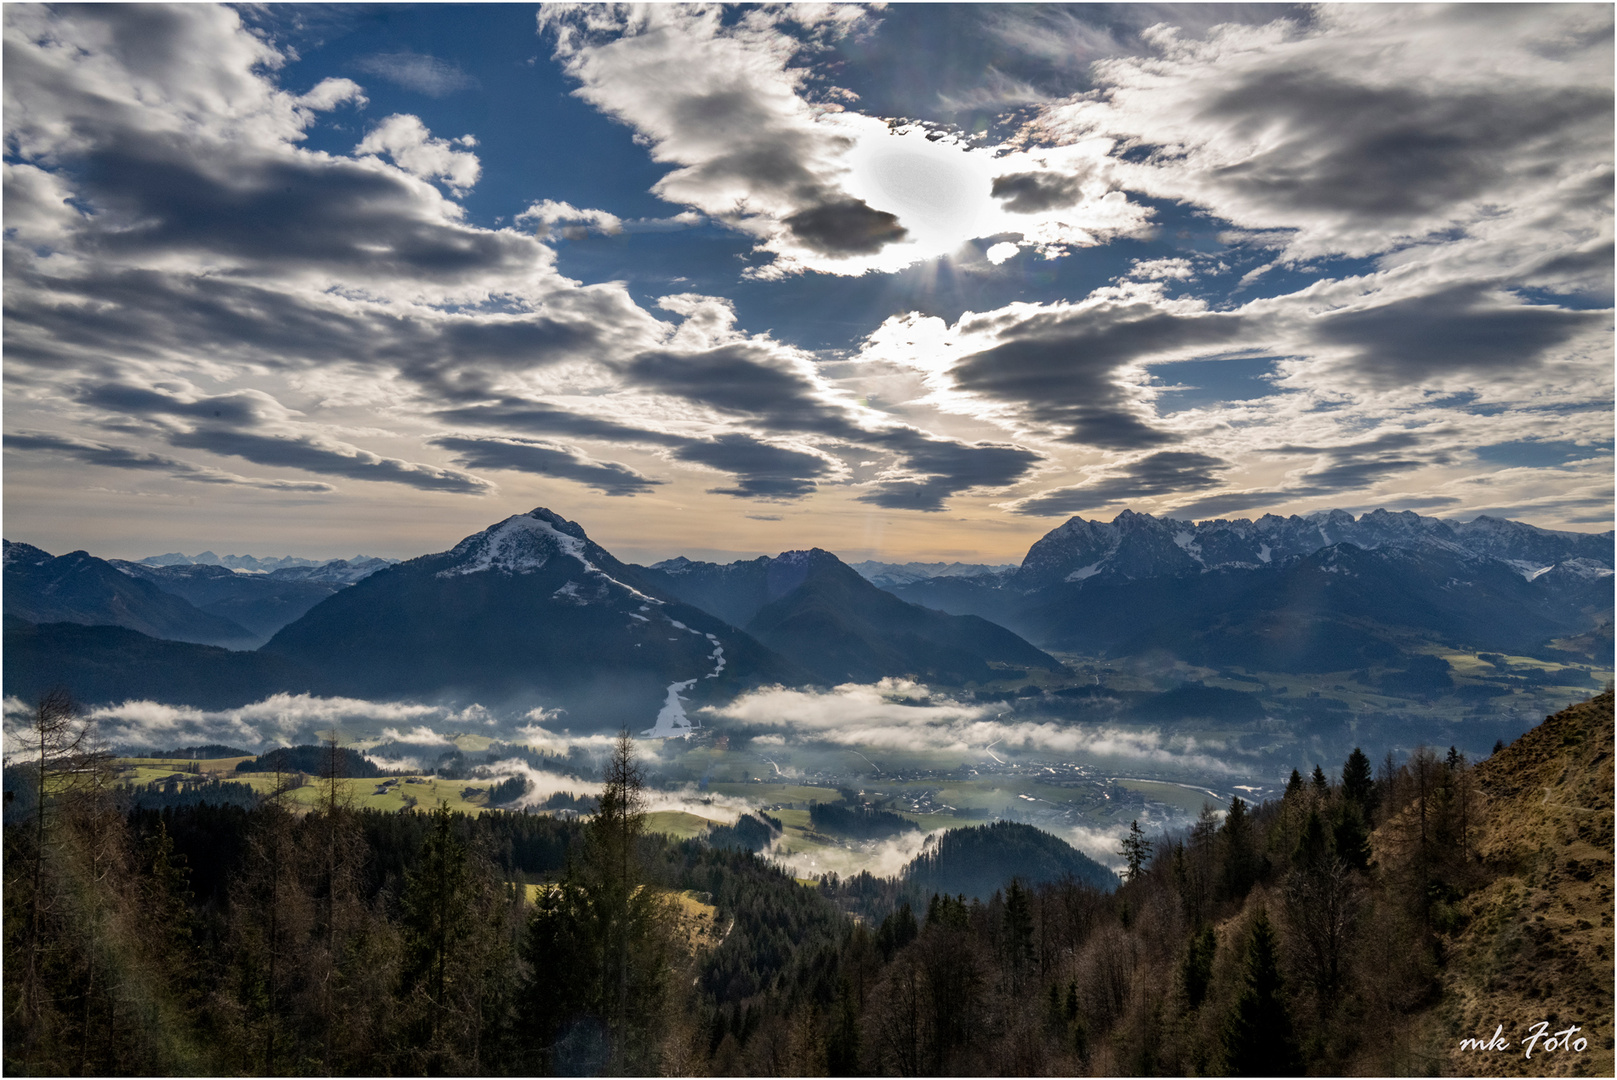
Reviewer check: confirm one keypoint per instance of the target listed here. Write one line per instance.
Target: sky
(903, 282)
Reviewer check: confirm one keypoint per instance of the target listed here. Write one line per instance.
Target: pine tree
(1240, 860)
(1197, 971)
(1136, 850)
(1357, 785)
(1258, 1036)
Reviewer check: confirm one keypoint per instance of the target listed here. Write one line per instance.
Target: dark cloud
(1059, 366)
(1033, 192)
(1164, 473)
(246, 408)
(546, 459)
(748, 379)
(122, 457)
(845, 227)
(155, 315)
(1390, 152)
(415, 71)
(163, 193)
(1459, 329)
(763, 471)
(513, 413)
(249, 425)
(334, 459)
(1357, 465)
(939, 468)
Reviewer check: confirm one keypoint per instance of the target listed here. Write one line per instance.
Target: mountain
(813, 607)
(528, 610)
(1138, 545)
(263, 602)
(80, 588)
(978, 860)
(105, 665)
(1319, 593)
(249, 563)
(884, 575)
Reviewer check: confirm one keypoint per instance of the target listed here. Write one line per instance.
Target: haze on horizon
(909, 283)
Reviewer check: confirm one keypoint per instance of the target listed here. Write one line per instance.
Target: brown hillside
(1535, 943)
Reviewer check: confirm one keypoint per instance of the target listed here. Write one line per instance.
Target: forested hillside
(1365, 922)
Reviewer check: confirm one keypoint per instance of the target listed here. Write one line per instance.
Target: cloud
(122, 457)
(416, 71)
(253, 425)
(760, 147)
(1166, 472)
(321, 455)
(546, 459)
(763, 470)
(329, 93)
(882, 858)
(1365, 127)
(900, 714)
(1463, 328)
(549, 212)
(1353, 466)
(845, 227)
(276, 720)
(420, 735)
(1032, 192)
(930, 470)
(406, 140)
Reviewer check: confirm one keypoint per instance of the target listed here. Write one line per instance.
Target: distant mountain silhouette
(813, 607)
(80, 588)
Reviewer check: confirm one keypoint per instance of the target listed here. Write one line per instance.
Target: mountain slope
(80, 588)
(1536, 942)
(813, 607)
(262, 603)
(978, 860)
(106, 665)
(528, 610)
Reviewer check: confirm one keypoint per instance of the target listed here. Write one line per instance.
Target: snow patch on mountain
(671, 719)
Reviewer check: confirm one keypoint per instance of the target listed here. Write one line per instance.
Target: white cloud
(416, 71)
(899, 714)
(407, 141)
(1000, 252)
(549, 212)
(420, 735)
(329, 93)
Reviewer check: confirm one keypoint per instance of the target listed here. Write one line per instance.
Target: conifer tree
(1136, 850)
(1357, 783)
(1258, 1036)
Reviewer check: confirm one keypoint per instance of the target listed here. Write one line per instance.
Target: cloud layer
(222, 249)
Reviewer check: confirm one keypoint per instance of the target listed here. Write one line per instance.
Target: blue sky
(903, 282)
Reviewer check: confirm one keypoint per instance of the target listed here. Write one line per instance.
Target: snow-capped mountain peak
(521, 544)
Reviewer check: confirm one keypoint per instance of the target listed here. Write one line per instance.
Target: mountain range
(530, 610)
(1326, 592)
(200, 601)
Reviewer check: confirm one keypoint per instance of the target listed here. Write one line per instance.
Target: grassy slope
(1538, 940)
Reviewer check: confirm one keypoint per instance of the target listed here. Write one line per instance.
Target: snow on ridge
(522, 544)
